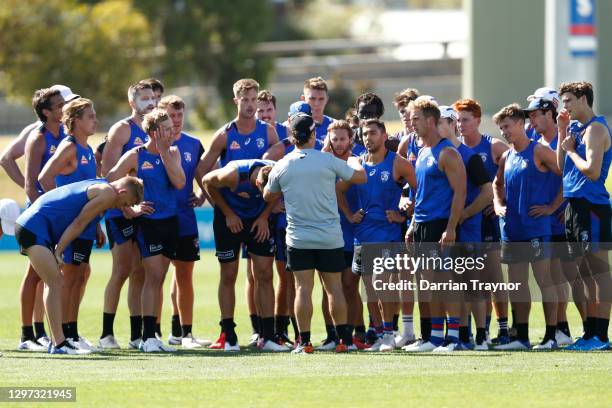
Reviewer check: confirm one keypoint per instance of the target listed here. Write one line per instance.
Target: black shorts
(26, 239)
(188, 249)
(227, 244)
(157, 237)
(348, 259)
(532, 250)
(430, 231)
(559, 248)
(120, 230)
(323, 260)
(587, 226)
(78, 251)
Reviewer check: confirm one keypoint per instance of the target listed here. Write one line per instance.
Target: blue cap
(539, 104)
(299, 107)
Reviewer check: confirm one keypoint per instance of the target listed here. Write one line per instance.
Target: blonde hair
(245, 84)
(152, 120)
(74, 110)
(316, 83)
(512, 111)
(427, 106)
(171, 100)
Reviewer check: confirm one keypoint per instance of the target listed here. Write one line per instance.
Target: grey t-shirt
(307, 179)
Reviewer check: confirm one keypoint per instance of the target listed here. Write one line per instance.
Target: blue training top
(51, 144)
(244, 147)
(191, 151)
(471, 229)
(321, 128)
(246, 200)
(157, 186)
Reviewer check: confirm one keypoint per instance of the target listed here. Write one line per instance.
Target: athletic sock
(185, 330)
(228, 328)
(387, 328)
(345, 332)
(425, 328)
(503, 326)
(488, 323)
(407, 326)
(513, 319)
(135, 327)
(296, 331)
(359, 330)
(149, 327)
(380, 331)
(304, 337)
(66, 330)
(254, 323)
(481, 335)
(108, 320)
(285, 320)
(551, 330)
(331, 332)
(591, 327)
(584, 326)
(39, 329)
(563, 327)
(279, 324)
(259, 326)
(469, 326)
(452, 324)
(267, 328)
(27, 333)
(602, 329)
(522, 331)
(437, 331)
(176, 326)
(464, 334)
(396, 322)
(74, 331)
(158, 329)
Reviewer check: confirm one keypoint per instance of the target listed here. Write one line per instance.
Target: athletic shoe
(593, 344)
(371, 338)
(44, 341)
(562, 339)
(500, 340)
(229, 347)
(578, 343)
(546, 344)
(358, 344)
(175, 340)
(202, 342)
(396, 333)
(401, 341)
(31, 345)
(488, 339)
(328, 345)
(481, 347)
(68, 349)
(150, 346)
(220, 343)
(447, 347)
(108, 343)
(271, 345)
(254, 342)
(376, 346)
(191, 342)
(84, 344)
(164, 348)
(420, 347)
(516, 345)
(135, 344)
(303, 349)
(283, 339)
(388, 343)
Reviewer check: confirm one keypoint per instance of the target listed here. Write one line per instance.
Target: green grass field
(252, 378)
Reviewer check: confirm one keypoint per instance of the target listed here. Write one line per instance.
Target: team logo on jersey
(247, 141)
(187, 156)
(84, 160)
(260, 143)
(483, 156)
(384, 176)
(235, 145)
(146, 166)
(52, 150)
(138, 141)
(524, 163)
(430, 161)
(372, 172)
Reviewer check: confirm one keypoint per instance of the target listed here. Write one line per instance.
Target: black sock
(279, 324)
(66, 330)
(267, 328)
(584, 326)
(395, 322)
(176, 325)
(425, 329)
(296, 331)
(39, 329)
(149, 327)
(345, 332)
(108, 320)
(550, 332)
(513, 319)
(602, 329)
(464, 334)
(74, 331)
(254, 323)
(481, 335)
(360, 329)
(158, 329)
(591, 326)
(27, 333)
(62, 344)
(286, 325)
(185, 330)
(228, 328)
(135, 327)
(522, 331)
(563, 327)
(331, 332)
(304, 337)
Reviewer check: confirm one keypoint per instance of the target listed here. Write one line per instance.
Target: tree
(97, 50)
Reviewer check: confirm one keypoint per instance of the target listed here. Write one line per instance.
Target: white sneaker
(44, 341)
(228, 347)
(448, 348)
(157, 336)
(352, 347)
(175, 341)
(327, 346)
(396, 333)
(515, 345)
(376, 346)
(164, 348)
(84, 344)
(134, 344)
(189, 342)
(201, 342)
(547, 345)
(481, 347)
(422, 348)
(254, 340)
(68, 349)
(388, 343)
(401, 341)
(562, 339)
(150, 346)
(408, 347)
(31, 345)
(269, 345)
(108, 343)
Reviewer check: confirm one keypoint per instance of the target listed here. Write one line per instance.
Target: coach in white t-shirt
(306, 178)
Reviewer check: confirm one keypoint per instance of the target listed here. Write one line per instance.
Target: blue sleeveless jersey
(379, 194)
(321, 128)
(348, 229)
(157, 186)
(281, 131)
(246, 200)
(51, 144)
(54, 211)
(359, 149)
(433, 194)
(471, 229)
(576, 184)
(191, 150)
(485, 151)
(524, 187)
(244, 147)
(412, 154)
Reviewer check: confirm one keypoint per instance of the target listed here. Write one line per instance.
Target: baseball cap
(549, 94)
(539, 103)
(65, 92)
(447, 112)
(299, 106)
(9, 212)
(302, 125)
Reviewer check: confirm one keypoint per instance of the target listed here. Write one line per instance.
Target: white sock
(407, 326)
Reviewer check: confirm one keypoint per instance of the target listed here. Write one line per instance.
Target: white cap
(548, 94)
(9, 212)
(446, 112)
(65, 92)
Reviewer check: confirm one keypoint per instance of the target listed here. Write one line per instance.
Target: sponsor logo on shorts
(127, 231)
(155, 248)
(584, 236)
(78, 257)
(146, 166)
(84, 160)
(536, 244)
(222, 255)
(235, 145)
